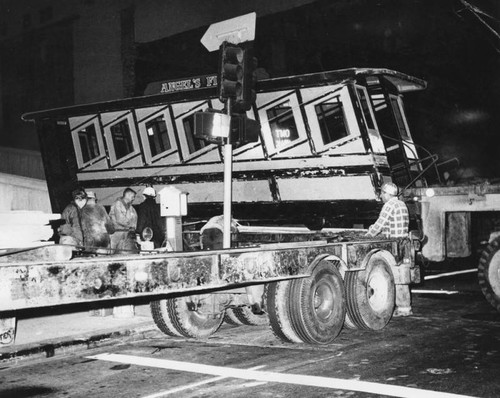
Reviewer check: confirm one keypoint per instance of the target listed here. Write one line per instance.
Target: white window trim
(372, 132)
(266, 128)
(78, 149)
(133, 133)
(312, 117)
(145, 141)
(410, 153)
(372, 113)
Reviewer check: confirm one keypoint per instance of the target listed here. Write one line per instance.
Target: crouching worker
(212, 233)
(71, 233)
(393, 223)
(96, 225)
(148, 215)
(124, 218)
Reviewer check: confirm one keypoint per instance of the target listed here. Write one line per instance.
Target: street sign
(235, 30)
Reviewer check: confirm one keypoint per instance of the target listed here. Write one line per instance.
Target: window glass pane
(88, 143)
(282, 124)
(399, 119)
(366, 109)
(194, 144)
(331, 120)
(122, 140)
(156, 130)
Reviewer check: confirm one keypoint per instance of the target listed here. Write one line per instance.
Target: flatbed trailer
(461, 221)
(308, 290)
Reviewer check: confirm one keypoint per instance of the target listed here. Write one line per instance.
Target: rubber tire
(348, 323)
(247, 317)
(231, 319)
(190, 323)
(161, 317)
(318, 322)
(277, 296)
(488, 267)
(362, 312)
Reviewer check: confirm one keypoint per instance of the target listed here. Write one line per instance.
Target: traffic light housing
(244, 130)
(236, 80)
(215, 126)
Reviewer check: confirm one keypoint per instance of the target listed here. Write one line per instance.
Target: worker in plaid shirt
(393, 219)
(393, 223)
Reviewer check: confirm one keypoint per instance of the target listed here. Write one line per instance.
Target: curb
(51, 348)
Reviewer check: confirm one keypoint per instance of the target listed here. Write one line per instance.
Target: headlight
(429, 192)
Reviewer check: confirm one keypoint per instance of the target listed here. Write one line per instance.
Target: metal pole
(228, 188)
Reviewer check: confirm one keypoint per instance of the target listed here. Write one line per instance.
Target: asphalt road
(451, 344)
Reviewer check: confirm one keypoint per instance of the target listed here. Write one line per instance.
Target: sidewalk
(49, 335)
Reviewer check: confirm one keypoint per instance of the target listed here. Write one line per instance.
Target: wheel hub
(323, 301)
(204, 306)
(377, 291)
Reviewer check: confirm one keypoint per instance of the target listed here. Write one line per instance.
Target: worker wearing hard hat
(393, 222)
(148, 215)
(393, 219)
(212, 233)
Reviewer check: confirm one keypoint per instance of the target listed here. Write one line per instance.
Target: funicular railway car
(327, 143)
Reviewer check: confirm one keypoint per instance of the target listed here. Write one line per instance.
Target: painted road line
(467, 271)
(434, 291)
(275, 377)
(193, 385)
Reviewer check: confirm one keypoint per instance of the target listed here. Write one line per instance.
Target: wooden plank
(39, 254)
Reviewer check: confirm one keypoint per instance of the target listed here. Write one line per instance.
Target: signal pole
(228, 184)
(233, 85)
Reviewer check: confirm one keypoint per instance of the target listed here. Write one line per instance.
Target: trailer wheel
(371, 294)
(161, 317)
(348, 324)
(231, 318)
(489, 273)
(317, 304)
(194, 316)
(247, 317)
(277, 299)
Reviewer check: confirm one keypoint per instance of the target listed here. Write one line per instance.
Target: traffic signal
(212, 126)
(215, 126)
(236, 70)
(244, 130)
(230, 82)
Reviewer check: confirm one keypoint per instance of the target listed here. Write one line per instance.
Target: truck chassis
(308, 289)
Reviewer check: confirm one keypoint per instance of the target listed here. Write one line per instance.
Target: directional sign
(235, 30)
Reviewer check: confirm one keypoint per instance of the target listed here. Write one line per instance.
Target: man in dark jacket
(148, 215)
(96, 224)
(71, 233)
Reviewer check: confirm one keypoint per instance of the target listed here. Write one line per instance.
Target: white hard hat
(149, 191)
(390, 188)
(91, 195)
